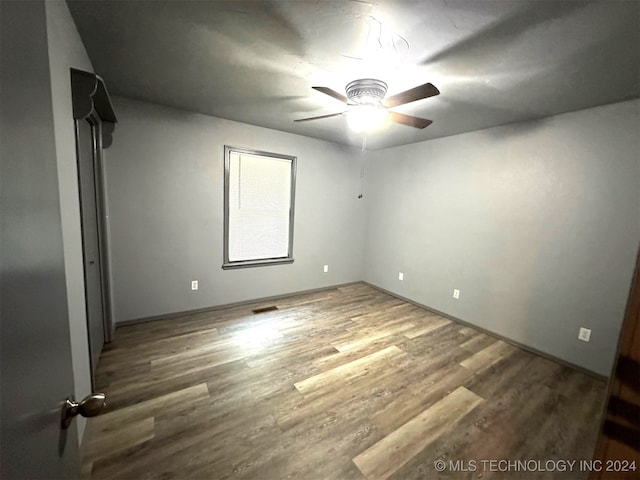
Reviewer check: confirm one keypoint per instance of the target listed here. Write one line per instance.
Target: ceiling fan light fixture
(366, 91)
(366, 117)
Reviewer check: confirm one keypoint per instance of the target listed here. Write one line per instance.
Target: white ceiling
(495, 62)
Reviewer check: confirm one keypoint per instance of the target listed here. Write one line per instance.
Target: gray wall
(165, 198)
(536, 223)
(65, 51)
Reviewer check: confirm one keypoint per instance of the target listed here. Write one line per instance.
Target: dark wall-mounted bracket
(90, 95)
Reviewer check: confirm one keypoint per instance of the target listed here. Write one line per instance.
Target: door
(618, 447)
(35, 351)
(87, 136)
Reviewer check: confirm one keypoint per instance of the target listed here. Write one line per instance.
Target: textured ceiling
(495, 62)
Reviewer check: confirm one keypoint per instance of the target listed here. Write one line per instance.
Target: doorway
(94, 121)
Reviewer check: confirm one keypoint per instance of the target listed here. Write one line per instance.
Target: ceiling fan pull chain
(361, 194)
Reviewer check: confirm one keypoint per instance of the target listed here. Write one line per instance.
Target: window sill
(256, 263)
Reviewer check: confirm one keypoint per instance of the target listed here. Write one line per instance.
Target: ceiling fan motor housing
(366, 91)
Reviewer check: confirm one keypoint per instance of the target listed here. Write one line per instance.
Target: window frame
(228, 264)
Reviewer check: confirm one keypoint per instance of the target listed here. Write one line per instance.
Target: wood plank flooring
(348, 383)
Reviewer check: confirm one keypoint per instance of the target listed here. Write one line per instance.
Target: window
(259, 191)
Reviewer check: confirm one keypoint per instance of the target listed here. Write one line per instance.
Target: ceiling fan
(368, 96)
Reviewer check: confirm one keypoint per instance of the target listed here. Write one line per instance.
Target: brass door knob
(90, 406)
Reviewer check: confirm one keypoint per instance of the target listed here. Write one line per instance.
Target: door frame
(91, 103)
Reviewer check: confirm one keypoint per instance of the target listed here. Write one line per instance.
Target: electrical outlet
(584, 334)
(456, 293)
(194, 284)
(326, 268)
(400, 276)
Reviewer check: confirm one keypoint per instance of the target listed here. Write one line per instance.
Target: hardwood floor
(348, 383)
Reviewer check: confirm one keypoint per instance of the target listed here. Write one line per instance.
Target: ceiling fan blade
(318, 118)
(418, 93)
(416, 122)
(332, 93)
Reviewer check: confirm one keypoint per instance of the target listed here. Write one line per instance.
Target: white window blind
(259, 207)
